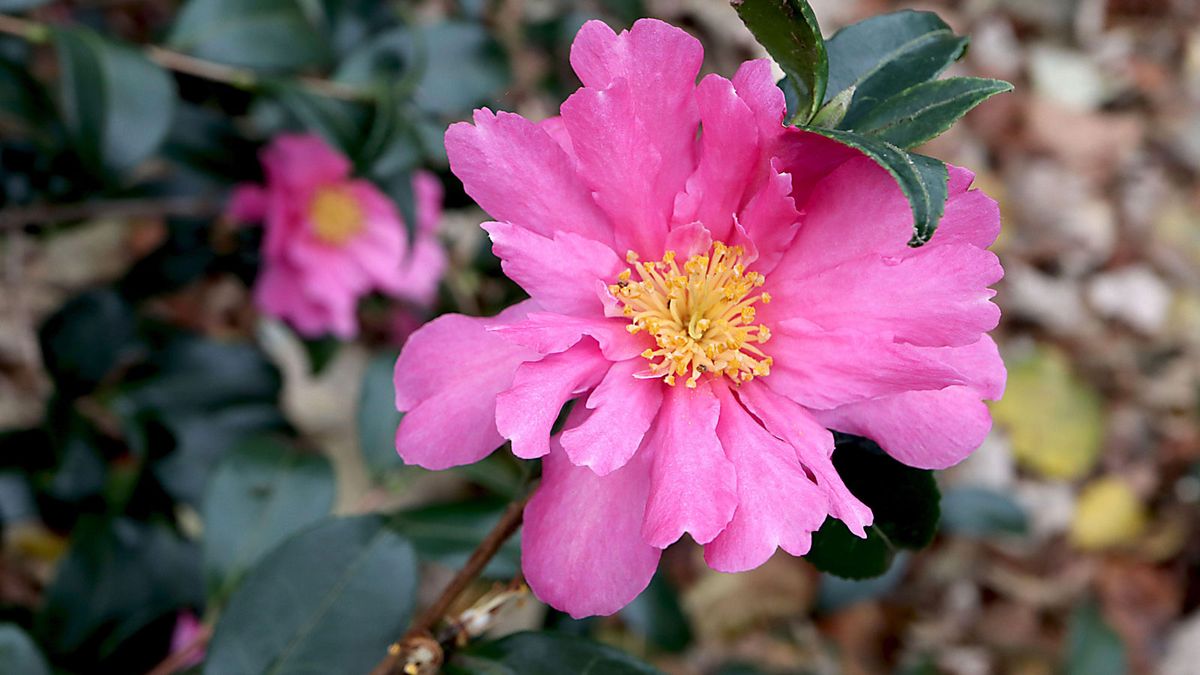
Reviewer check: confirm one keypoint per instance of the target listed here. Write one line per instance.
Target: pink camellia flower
(331, 238)
(717, 291)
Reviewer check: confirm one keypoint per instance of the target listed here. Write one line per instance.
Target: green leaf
(657, 616)
(328, 600)
(20, 6)
(831, 114)
(927, 110)
(271, 35)
(923, 179)
(19, 653)
(1093, 647)
(87, 338)
(544, 654)
(835, 593)
(904, 501)
(118, 576)
(980, 512)
(449, 533)
(116, 104)
(789, 32)
(260, 494)
(884, 55)
(377, 414)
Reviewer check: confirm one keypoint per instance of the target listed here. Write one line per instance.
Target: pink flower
(331, 238)
(716, 290)
(187, 636)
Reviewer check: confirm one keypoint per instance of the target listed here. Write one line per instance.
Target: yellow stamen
(335, 215)
(701, 316)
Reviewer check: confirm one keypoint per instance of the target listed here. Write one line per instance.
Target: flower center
(701, 317)
(336, 216)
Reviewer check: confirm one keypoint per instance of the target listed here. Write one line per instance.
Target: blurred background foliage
(167, 458)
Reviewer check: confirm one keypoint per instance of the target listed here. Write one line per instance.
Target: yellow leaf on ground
(1108, 514)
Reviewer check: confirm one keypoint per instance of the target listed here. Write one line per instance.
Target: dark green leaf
(20, 5)
(927, 110)
(116, 104)
(922, 179)
(260, 494)
(904, 501)
(657, 616)
(273, 35)
(887, 54)
(23, 105)
(1093, 647)
(789, 32)
(342, 124)
(831, 114)
(19, 653)
(87, 338)
(377, 414)
(835, 593)
(981, 512)
(448, 533)
(118, 576)
(544, 654)
(329, 600)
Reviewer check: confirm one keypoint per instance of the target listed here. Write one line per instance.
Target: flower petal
(525, 412)
(633, 125)
(770, 220)
(519, 174)
(447, 378)
(823, 369)
(693, 487)
(549, 333)
(581, 547)
(936, 296)
(624, 408)
(813, 445)
(925, 429)
(301, 162)
(756, 86)
(559, 272)
(778, 505)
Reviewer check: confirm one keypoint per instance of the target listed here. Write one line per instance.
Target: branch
(241, 78)
(420, 635)
(48, 214)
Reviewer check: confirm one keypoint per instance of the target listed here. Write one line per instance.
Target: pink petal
(519, 174)
(813, 445)
(729, 154)
(447, 379)
(693, 487)
(248, 203)
(810, 158)
(549, 333)
(925, 429)
(559, 272)
(302, 161)
(581, 547)
(624, 408)
(422, 271)
(770, 219)
(689, 240)
(971, 217)
(756, 86)
(979, 366)
(857, 210)
(525, 412)
(822, 369)
(778, 506)
(556, 129)
(427, 192)
(936, 296)
(633, 125)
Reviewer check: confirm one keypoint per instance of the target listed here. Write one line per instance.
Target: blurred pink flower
(331, 239)
(717, 290)
(184, 637)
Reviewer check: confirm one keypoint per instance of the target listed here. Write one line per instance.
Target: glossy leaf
(328, 600)
(788, 30)
(884, 55)
(980, 512)
(260, 494)
(836, 593)
(274, 35)
(923, 179)
(377, 414)
(87, 338)
(118, 576)
(1093, 647)
(658, 617)
(116, 104)
(927, 110)
(903, 499)
(20, 5)
(449, 533)
(544, 654)
(19, 653)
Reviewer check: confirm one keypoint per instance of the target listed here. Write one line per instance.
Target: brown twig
(46, 214)
(420, 634)
(241, 78)
(178, 659)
